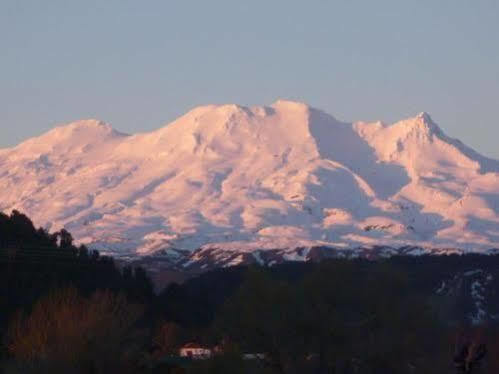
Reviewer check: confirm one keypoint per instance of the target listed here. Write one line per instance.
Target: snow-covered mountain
(233, 178)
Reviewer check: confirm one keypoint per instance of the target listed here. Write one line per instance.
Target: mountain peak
(425, 121)
(85, 125)
(90, 123)
(424, 116)
(263, 176)
(83, 128)
(210, 111)
(421, 126)
(290, 105)
(71, 136)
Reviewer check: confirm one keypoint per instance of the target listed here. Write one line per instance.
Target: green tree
(65, 239)
(262, 317)
(342, 317)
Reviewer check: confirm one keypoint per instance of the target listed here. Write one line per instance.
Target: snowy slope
(238, 178)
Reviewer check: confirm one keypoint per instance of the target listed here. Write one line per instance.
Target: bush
(69, 333)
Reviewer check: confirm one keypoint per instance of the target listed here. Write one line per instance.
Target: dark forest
(67, 309)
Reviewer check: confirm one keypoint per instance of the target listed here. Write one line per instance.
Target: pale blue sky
(140, 64)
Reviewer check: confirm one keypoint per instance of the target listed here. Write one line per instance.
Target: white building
(195, 351)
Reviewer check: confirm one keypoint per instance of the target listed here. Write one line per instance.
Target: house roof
(193, 345)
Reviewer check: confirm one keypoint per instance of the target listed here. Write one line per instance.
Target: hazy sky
(140, 64)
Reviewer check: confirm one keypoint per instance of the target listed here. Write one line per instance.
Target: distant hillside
(461, 289)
